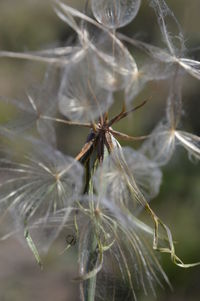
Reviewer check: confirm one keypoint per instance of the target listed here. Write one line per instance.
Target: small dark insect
(71, 239)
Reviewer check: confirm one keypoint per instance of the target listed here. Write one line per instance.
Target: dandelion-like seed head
(101, 192)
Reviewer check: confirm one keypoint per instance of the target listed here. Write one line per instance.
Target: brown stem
(124, 114)
(85, 149)
(88, 125)
(127, 137)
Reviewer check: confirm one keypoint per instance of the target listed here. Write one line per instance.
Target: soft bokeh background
(33, 25)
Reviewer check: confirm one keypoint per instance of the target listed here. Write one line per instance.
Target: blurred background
(27, 25)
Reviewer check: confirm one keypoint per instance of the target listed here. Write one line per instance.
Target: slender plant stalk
(89, 285)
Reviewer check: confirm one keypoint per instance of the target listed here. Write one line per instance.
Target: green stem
(89, 285)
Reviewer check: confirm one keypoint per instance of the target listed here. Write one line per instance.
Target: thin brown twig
(127, 137)
(88, 125)
(126, 113)
(84, 150)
